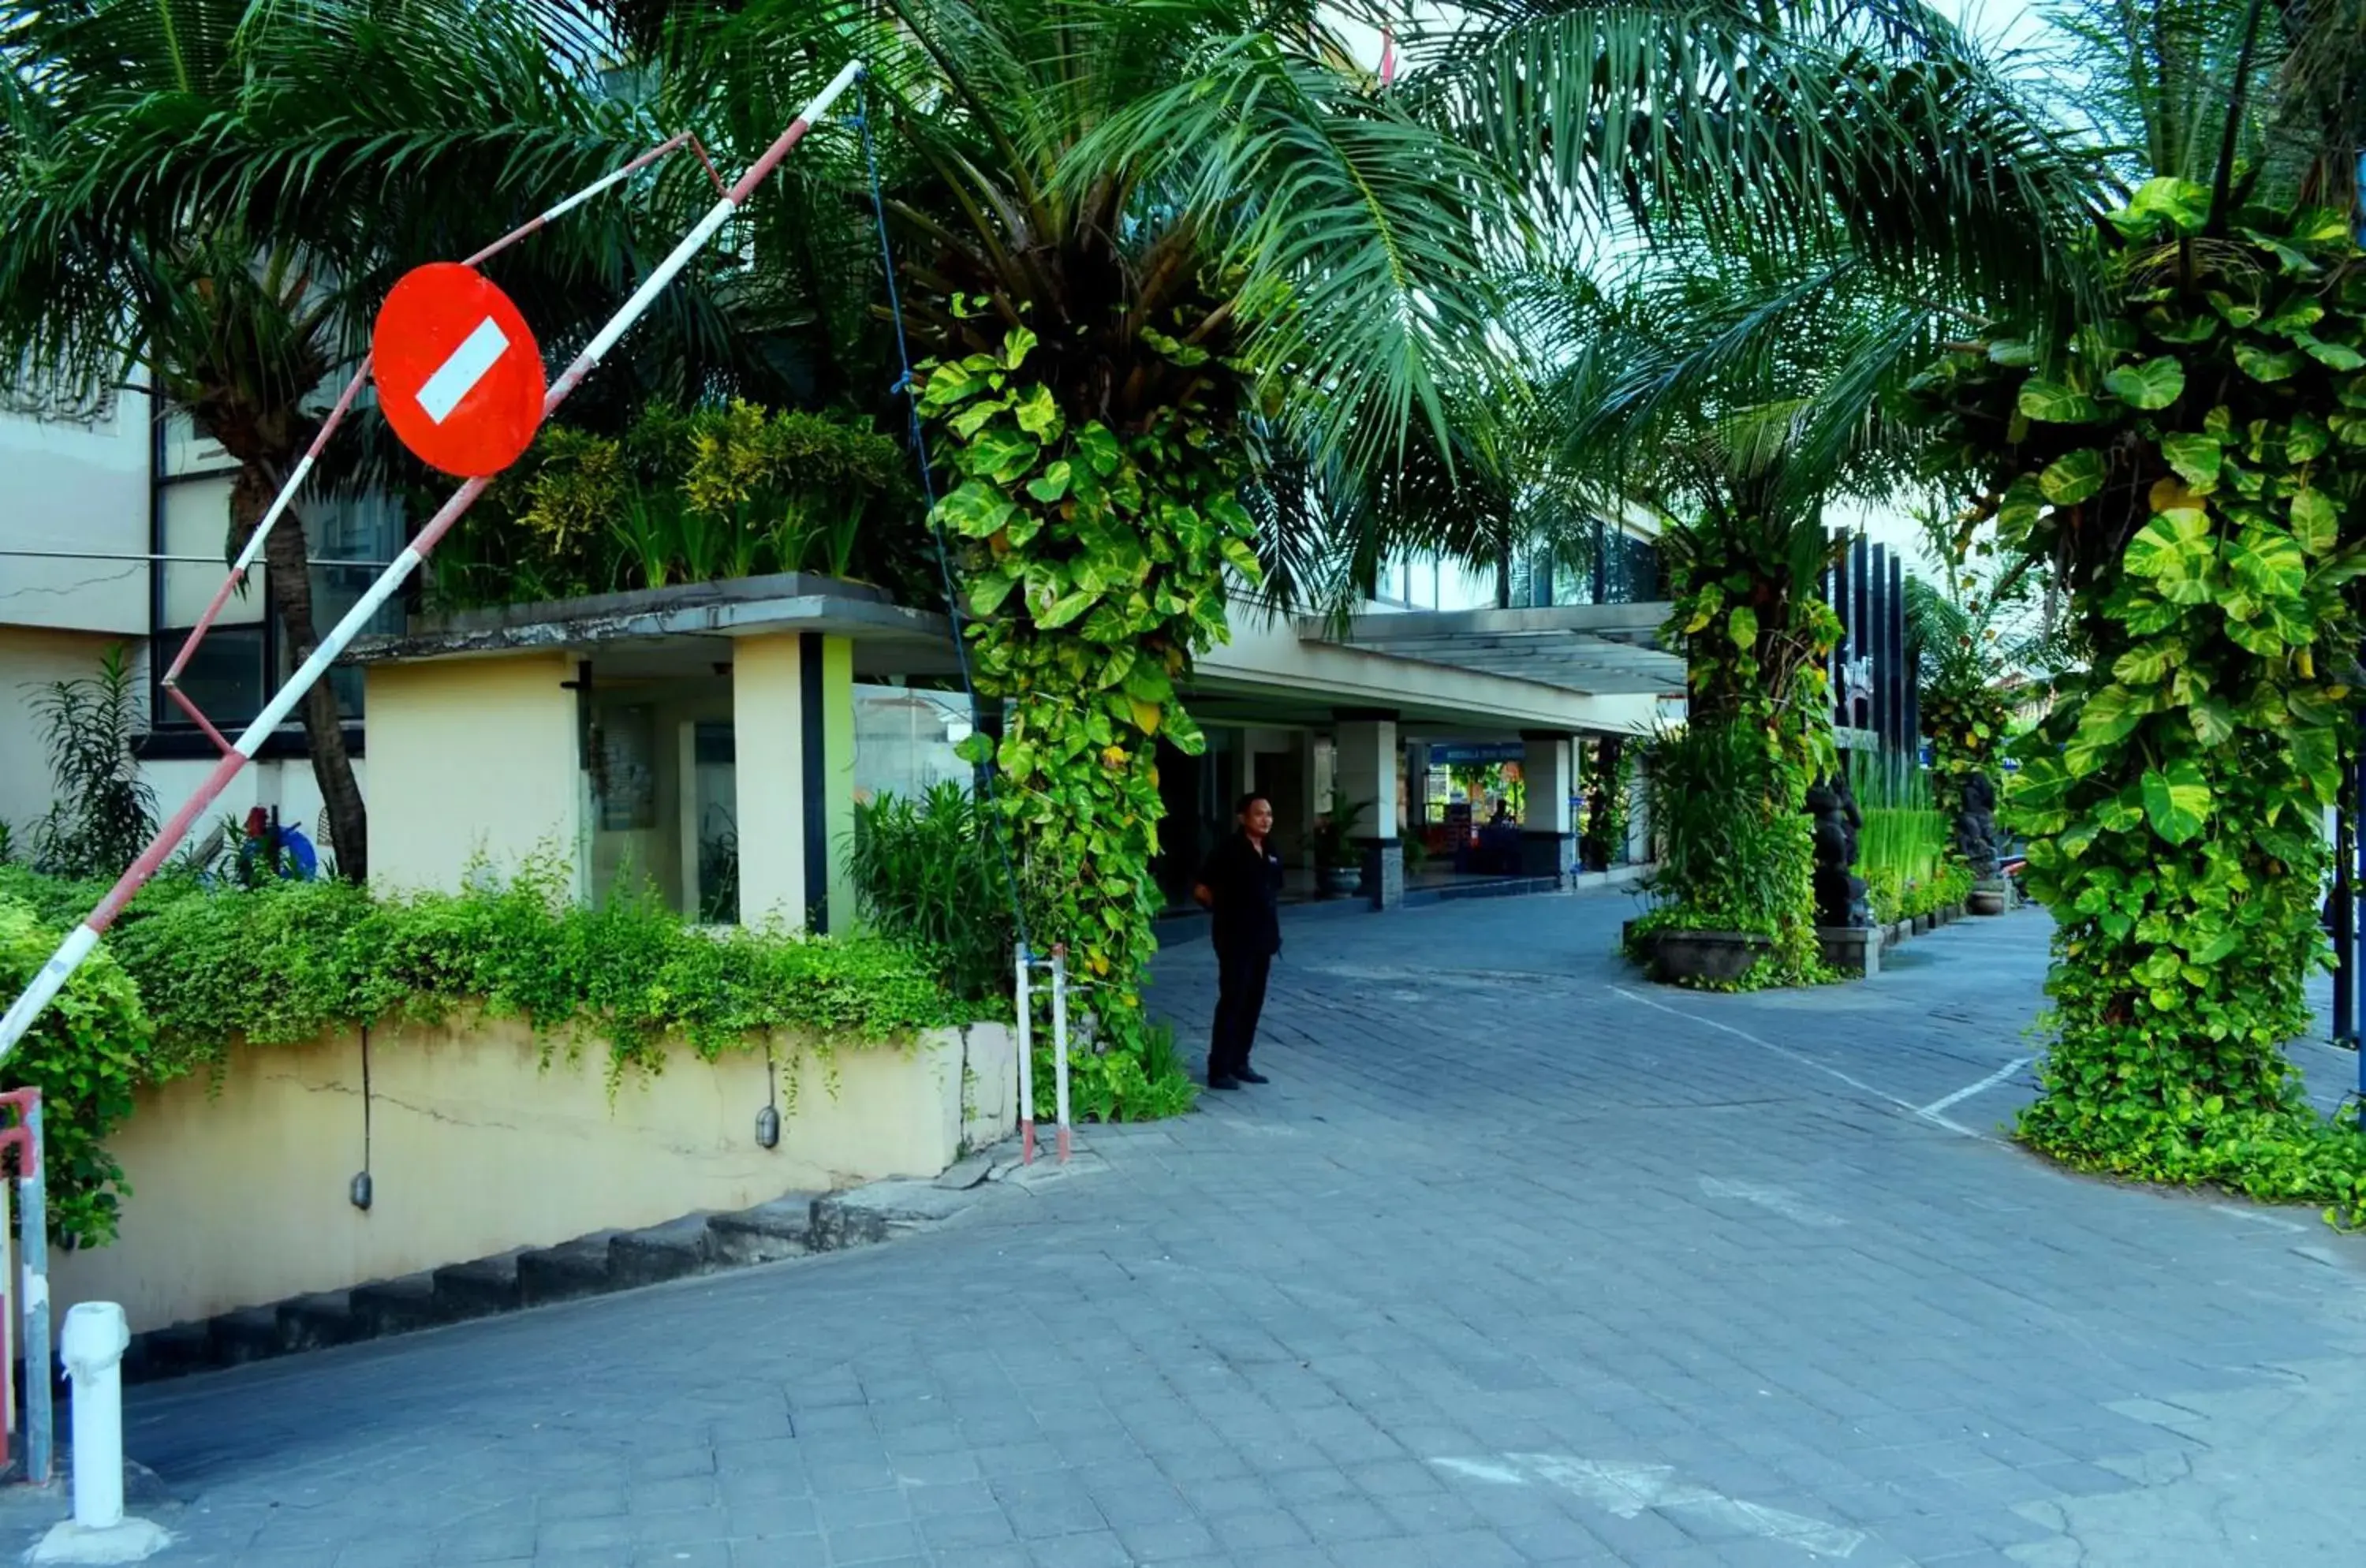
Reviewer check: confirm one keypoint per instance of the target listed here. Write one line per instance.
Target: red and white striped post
(77, 946)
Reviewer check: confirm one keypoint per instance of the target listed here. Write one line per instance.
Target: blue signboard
(1471, 753)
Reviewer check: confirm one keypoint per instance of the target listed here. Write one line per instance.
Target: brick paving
(1518, 1261)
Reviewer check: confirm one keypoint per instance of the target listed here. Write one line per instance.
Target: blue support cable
(918, 436)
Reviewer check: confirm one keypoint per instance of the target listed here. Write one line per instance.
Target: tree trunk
(288, 572)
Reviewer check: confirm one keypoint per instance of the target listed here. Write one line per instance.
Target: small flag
(1388, 61)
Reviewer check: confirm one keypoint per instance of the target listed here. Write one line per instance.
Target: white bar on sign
(459, 376)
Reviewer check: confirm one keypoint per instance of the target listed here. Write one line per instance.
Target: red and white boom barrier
(77, 945)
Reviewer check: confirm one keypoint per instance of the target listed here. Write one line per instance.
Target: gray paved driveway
(1517, 1261)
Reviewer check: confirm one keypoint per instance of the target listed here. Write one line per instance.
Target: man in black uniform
(1241, 888)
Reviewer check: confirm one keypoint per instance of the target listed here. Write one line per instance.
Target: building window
(245, 655)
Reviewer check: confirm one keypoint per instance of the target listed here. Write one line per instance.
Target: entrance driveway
(1517, 1261)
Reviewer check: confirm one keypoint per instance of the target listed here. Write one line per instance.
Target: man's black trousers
(1240, 998)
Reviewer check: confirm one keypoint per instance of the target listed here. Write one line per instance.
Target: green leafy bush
(85, 1054)
(692, 496)
(190, 971)
(103, 814)
(1736, 849)
(928, 873)
(1902, 846)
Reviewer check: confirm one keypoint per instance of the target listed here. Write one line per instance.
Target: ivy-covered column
(2195, 466)
(1093, 562)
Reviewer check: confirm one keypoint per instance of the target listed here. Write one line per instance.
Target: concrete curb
(793, 1226)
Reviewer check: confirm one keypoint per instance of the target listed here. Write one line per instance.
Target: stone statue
(1840, 892)
(1976, 826)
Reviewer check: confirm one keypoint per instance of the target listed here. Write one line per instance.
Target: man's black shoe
(1250, 1074)
(1223, 1081)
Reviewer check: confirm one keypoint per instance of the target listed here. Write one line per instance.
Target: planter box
(1989, 898)
(1715, 957)
(1852, 950)
(1921, 925)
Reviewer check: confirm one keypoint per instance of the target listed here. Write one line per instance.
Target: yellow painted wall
(241, 1199)
(470, 757)
(31, 659)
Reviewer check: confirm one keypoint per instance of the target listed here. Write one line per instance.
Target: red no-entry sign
(459, 372)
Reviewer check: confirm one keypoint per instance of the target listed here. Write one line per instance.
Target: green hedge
(288, 962)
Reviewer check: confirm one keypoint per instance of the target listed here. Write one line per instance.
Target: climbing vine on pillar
(1092, 563)
(2194, 469)
(1756, 637)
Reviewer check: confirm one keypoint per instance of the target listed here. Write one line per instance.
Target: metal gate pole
(1060, 1041)
(1025, 995)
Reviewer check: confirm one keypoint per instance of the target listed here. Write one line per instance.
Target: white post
(95, 1341)
(1060, 1040)
(1026, 998)
(91, 1348)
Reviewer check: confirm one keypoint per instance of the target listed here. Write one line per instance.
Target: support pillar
(1366, 775)
(1547, 844)
(792, 730)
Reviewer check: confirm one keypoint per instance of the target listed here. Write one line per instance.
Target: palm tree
(195, 187)
(2158, 425)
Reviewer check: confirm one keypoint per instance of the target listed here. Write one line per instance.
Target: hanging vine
(1094, 565)
(1756, 638)
(2194, 468)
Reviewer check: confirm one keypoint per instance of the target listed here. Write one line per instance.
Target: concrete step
(789, 1227)
(317, 1322)
(401, 1306)
(767, 1232)
(567, 1273)
(170, 1352)
(251, 1333)
(672, 1251)
(481, 1289)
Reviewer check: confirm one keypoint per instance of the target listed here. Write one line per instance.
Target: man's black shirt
(1245, 885)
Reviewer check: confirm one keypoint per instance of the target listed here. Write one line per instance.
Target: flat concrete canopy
(685, 630)
(1597, 650)
(1578, 669)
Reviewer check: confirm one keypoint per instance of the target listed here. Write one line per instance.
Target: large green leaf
(2176, 799)
(2316, 752)
(2181, 204)
(2268, 562)
(2109, 716)
(2155, 384)
(2214, 720)
(2305, 439)
(2261, 364)
(2072, 478)
(2195, 457)
(2315, 523)
(2333, 356)
(2146, 664)
(1100, 448)
(1038, 415)
(2294, 319)
(2050, 402)
(2175, 551)
(2018, 513)
(976, 510)
(1005, 455)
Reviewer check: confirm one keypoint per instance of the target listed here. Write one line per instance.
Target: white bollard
(92, 1346)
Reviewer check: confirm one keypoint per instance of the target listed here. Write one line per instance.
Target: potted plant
(1339, 866)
